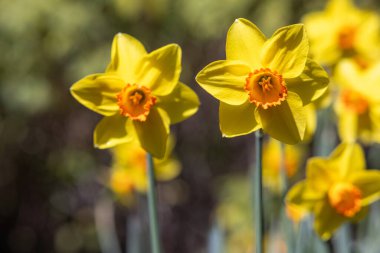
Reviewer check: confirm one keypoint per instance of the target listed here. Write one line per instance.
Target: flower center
(346, 37)
(265, 88)
(354, 101)
(345, 198)
(135, 102)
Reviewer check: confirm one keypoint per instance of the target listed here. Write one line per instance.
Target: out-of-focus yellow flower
(272, 163)
(264, 83)
(129, 168)
(336, 189)
(342, 30)
(295, 213)
(358, 104)
(139, 94)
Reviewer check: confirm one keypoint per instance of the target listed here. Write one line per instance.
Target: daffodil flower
(342, 30)
(274, 161)
(264, 83)
(358, 103)
(129, 168)
(139, 94)
(337, 189)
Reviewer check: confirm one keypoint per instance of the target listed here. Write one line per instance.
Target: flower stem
(152, 207)
(283, 172)
(258, 191)
(330, 246)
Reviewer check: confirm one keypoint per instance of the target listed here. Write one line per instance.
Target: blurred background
(51, 177)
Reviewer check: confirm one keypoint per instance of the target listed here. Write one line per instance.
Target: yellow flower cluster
(339, 189)
(273, 84)
(347, 40)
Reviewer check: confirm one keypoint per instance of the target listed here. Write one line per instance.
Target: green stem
(152, 207)
(330, 246)
(283, 172)
(258, 191)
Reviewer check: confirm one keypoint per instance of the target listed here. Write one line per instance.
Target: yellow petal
(153, 133)
(180, 104)
(112, 131)
(300, 196)
(322, 37)
(235, 120)
(366, 83)
(347, 158)
(286, 51)
(244, 42)
(339, 7)
(347, 123)
(368, 183)
(319, 175)
(135, 152)
(327, 220)
(374, 115)
(126, 53)
(160, 70)
(98, 92)
(167, 169)
(348, 74)
(367, 37)
(311, 84)
(285, 122)
(225, 80)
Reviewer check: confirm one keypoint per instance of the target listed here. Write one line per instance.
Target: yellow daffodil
(139, 94)
(295, 213)
(129, 168)
(264, 83)
(342, 30)
(358, 103)
(336, 189)
(272, 163)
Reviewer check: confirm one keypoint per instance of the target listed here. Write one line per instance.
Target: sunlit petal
(235, 120)
(225, 80)
(153, 133)
(112, 131)
(98, 92)
(244, 42)
(160, 69)
(126, 52)
(286, 122)
(286, 51)
(180, 104)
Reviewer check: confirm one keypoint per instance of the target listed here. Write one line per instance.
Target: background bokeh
(51, 177)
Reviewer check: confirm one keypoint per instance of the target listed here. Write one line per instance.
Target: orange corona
(345, 198)
(354, 101)
(135, 102)
(266, 88)
(346, 37)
